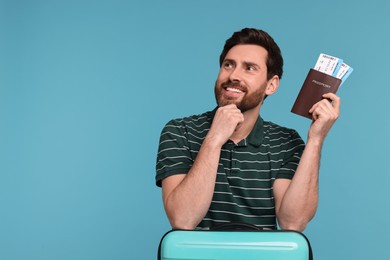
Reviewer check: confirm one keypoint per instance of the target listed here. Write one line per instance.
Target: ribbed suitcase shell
(229, 245)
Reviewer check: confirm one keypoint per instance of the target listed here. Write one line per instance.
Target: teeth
(234, 90)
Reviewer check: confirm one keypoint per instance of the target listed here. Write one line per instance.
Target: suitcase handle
(235, 226)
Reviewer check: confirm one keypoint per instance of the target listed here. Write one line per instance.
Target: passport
(315, 85)
(327, 76)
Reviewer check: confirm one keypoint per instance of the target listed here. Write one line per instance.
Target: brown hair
(258, 37)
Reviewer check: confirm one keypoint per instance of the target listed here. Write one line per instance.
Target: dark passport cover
(315, 85)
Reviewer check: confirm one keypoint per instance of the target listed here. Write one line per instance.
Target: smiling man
(228, 164)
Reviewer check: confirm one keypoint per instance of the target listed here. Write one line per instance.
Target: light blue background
(86, 87)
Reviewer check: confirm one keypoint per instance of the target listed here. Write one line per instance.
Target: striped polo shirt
(246, 171)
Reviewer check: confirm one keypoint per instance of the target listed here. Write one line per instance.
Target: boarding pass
(333, 66)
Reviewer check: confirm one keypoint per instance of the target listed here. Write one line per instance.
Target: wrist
(315, 142)
(212, 141)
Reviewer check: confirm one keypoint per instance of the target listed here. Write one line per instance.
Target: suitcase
(234, 244)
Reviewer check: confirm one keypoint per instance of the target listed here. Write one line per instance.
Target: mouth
(233, 87)
(234, 90)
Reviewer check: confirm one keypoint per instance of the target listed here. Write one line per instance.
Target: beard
(247, 102)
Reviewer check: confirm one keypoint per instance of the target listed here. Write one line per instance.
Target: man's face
(242, 78)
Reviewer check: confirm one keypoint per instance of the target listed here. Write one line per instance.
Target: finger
(313, 108)
(314, 115)
(230, 113)
(335, 100)
(230, 106)
(324, 110)
(332, 109)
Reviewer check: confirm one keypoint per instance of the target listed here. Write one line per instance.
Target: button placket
(234, 170)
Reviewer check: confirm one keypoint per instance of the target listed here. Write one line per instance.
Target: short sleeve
(174, 156)
(293, 150)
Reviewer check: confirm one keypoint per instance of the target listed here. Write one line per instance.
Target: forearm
(189, 201)
(300, 201)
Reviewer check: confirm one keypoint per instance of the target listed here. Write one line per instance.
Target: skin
(240, 89)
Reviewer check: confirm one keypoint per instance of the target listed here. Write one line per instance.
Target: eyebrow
(246, 63)
(229, 60)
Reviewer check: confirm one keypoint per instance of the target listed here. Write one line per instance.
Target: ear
(272, 85)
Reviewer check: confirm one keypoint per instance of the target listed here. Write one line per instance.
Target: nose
(235, 75)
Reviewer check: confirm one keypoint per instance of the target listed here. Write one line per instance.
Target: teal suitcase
(233, 245)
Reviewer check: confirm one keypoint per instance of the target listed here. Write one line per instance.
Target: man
(229, 165)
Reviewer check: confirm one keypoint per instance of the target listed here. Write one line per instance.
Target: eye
(228, 65)
(250, 68)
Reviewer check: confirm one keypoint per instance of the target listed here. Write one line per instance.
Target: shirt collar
(256, 135)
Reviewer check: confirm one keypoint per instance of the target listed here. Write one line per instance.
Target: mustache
(233, 84)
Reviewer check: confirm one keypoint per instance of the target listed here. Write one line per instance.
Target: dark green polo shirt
(246, 172)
